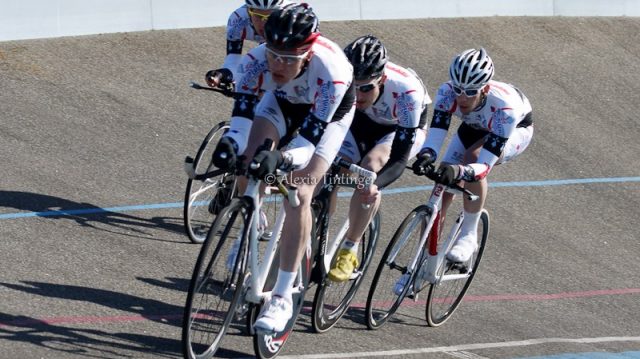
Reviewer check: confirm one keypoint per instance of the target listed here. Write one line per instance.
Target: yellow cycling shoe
(344, 266)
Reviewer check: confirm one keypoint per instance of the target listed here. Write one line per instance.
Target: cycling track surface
(95, 264)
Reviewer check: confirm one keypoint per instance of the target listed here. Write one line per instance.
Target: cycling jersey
(397, 113)
(325, 85)
(504, 109)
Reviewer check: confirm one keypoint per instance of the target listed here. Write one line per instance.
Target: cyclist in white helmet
(388, 128)
(245, 23)
(497, 126)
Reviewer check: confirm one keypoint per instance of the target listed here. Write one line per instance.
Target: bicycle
(225, 286)
(205, 196)
(332, 299)
(417, 254)
(236, 292)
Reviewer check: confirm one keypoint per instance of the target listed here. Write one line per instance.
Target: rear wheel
(332, 299)
(203, 200)
(453, 280)
(216, 287)
(387, 290)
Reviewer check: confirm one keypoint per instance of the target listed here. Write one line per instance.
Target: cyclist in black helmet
(388, 129)
(308, 101)
(245, 23)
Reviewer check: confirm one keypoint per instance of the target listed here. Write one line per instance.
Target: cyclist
(245, 23)
(497, 126)
(308, 97)
(388, 128)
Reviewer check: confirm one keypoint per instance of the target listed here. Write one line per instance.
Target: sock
(284, 284)
(470, 223)
(350, 245)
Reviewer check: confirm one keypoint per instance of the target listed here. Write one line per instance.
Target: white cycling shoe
(275, 315)
(464, 248)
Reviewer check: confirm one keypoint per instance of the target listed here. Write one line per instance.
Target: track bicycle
(415, 258)
(332, 299)
(205, 196)
(232, 277)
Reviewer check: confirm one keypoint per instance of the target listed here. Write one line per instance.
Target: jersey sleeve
(443, 108)
(250, 79)
(502, 124)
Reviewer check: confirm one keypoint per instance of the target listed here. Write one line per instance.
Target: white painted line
(462, 347)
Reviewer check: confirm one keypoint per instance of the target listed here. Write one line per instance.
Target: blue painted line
(590, 355)
(120, 209)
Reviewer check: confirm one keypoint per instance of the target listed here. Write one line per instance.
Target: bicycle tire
(436, 314)
(203, 197)
(332, 300)
(383, 300)
(207, 319)
(268, 345)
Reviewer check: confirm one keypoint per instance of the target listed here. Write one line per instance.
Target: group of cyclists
(317, 100)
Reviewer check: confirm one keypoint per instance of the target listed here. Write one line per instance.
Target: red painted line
(29, 322)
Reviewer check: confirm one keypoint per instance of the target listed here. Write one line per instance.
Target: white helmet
(471, 69)
(265, 4)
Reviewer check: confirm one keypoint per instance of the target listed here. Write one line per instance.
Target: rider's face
(258, 19)
(286, 65)
(367, 91)
(466, 104)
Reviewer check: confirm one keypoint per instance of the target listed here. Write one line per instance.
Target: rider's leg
(359, 217)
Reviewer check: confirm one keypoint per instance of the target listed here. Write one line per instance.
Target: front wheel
(453, 280)
(203, 200)
(268, 345)
(332, 299)
(216, 287)
(394, 276)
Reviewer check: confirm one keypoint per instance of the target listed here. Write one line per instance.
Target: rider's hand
(225, 156)
(219, 77)
(268, 162)
(449, 174)
(424, 159)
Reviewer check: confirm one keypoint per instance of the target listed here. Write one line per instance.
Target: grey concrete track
(104, 121)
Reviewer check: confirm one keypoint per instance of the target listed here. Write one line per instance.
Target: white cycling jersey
(325, 85)
(403, 100)
(504, 109)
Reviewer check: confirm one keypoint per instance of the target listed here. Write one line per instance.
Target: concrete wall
(28, 19)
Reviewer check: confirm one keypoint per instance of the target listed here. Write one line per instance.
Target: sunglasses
(285, 59)
(364, 88)
(467, 92)
(262, 17)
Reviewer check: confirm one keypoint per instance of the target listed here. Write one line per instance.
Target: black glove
(449, 174)
(268, 162)
(225, 156)
(219, 78)
(424, 160)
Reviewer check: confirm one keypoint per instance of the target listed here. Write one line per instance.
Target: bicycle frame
(432, 255)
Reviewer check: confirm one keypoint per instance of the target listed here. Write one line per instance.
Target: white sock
(350, 245)
(284, 284)
(470, 223)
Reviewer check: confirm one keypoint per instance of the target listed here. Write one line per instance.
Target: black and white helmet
(471, 69)
(368, 57)
(265, 4)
